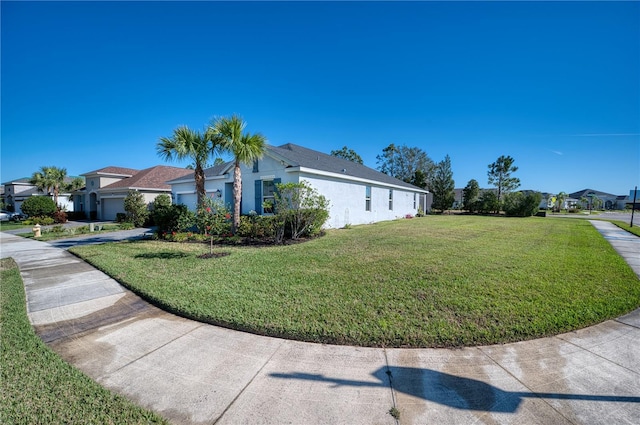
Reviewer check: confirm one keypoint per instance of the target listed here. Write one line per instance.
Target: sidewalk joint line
(390, 375)
(247, 384)
(155, 349)
(526, 386)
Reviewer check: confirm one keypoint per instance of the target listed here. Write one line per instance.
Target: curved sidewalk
(193, 373)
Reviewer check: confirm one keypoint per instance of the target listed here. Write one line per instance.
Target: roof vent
(344, 170)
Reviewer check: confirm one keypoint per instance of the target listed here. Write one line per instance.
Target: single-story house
(357, 194)
(608, 200)
(103, 196)
(16, 191)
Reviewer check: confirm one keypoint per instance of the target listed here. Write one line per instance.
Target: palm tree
(560, 198)
(185, 143)
(50, 180)
(244, 147)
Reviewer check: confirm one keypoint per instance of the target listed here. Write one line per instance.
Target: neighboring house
(357, 194)
(103, 196)
(16, 191)
(609, 201)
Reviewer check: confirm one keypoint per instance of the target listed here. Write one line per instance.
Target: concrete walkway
(192, 373)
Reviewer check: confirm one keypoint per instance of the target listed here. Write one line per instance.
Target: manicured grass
(428, 282)
(10, 225)
(38, 387)
(57, 232)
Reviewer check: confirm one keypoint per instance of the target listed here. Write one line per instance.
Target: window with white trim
(268, 196)
(367, 199)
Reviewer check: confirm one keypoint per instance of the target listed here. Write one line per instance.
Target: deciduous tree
(411, 165)
(348, 154)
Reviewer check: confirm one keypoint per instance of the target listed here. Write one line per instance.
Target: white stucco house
(16, 191)
(357, 194)
(103, 196)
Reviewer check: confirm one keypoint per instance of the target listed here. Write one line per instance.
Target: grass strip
(438, 281)
(38, 387)
(626, 226)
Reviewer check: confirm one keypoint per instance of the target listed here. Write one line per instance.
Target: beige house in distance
(103, 196)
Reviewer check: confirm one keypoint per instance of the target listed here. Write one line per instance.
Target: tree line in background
(412, 165)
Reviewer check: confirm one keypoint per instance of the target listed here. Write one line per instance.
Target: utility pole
(633, 206)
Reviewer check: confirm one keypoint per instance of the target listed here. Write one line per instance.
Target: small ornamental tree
(39, 206)
(300, 209)
(136, 208)
(213, 219)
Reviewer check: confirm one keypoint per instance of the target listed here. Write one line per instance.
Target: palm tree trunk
(199, 178)
(237, 195)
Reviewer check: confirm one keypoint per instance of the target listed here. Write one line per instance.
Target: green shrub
(300, 210)
(136, 208)
(43, 221)
(57, 229)
(173, 218)
(39, 206)
(213, 217)
(121, 217)
(126, 226)
(488, 203)
(256, 226)
(517, 204)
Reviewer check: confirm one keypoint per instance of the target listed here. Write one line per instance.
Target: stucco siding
(348, 201)
(268, 169)
(346, 194)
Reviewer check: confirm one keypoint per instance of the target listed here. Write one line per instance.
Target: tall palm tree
(185, 143)
(245, 149)
(50, 180)
(560, 198)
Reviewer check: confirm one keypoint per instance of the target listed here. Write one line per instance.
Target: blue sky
(555, 85)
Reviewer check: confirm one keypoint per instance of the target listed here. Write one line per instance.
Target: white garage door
(110, 207)
(188, 199)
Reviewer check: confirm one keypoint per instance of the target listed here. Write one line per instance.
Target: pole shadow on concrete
(450, 390)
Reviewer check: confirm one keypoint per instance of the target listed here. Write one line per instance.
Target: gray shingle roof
(298, 156)
(584, 192)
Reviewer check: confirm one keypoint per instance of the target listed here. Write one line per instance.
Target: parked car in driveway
(5, 215)
(9, 216)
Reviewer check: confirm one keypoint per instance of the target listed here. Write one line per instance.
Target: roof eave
(352, 178)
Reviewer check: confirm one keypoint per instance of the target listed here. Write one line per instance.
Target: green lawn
(10, 225)
(37, 386)
(426, 282)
